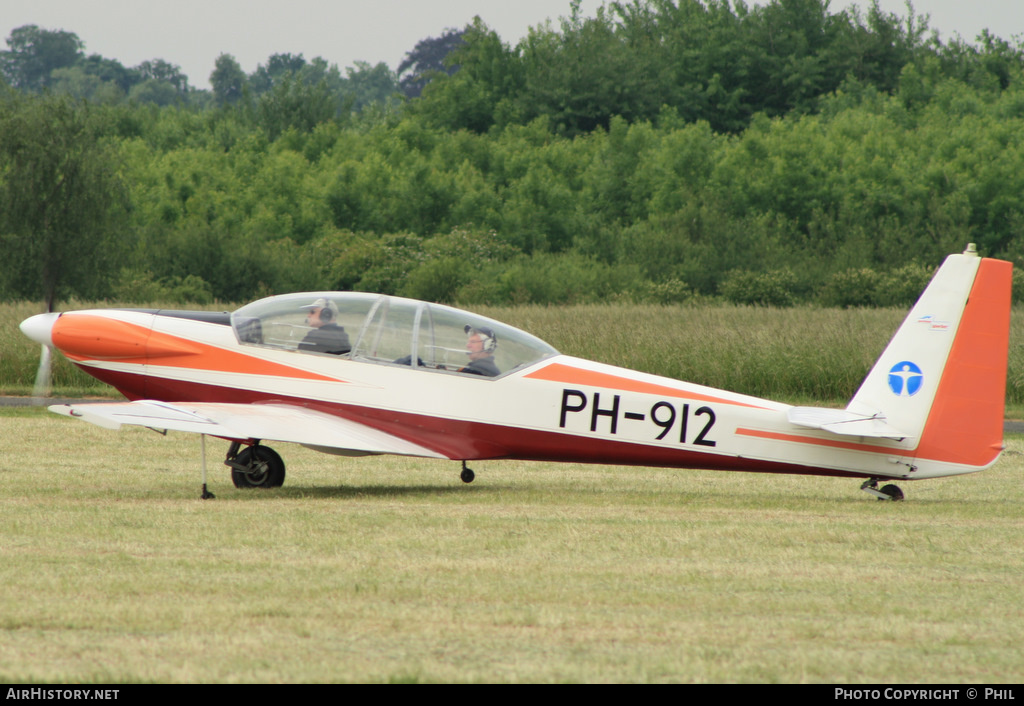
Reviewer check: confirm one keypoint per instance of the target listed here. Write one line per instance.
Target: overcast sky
(192, 33)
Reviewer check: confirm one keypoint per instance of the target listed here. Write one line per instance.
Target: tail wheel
(893, 491)
(257, 467)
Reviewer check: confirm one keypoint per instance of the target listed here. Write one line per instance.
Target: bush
(545, 278)
(670, 291)
(775, 288)
(850, 288)
(139, 286)
(865, 287)
(901, 287)
(367, 263)
(435, 280)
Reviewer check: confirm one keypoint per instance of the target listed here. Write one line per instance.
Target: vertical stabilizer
(942, 378)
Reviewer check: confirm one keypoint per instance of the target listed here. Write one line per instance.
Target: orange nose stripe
(98, 337)
(89, 337)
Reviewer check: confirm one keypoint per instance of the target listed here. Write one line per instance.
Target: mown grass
(797, 355)
(389, 569)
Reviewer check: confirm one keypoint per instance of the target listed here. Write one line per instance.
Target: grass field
(392, 570)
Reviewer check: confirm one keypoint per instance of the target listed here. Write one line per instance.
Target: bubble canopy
(387, 330)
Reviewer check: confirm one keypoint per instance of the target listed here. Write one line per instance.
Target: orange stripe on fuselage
(567, 374)
(816, 441)
(85, 337)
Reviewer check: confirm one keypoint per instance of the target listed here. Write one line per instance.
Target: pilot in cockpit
(480, 347)
(327, 336)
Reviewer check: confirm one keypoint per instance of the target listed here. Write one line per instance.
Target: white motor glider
(355, 374)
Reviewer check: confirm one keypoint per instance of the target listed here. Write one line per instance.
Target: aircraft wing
(267, 422)
(844, 422)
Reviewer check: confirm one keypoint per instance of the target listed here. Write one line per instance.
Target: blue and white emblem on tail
(905, 379)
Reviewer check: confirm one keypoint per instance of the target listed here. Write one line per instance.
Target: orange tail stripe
(966, 421)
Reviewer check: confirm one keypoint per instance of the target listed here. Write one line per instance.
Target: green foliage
(546, 278)
(714, 61)
(429, 58)
(367, 263)
(294, 105)
(156, 92)
(437, 280)
(366, 86)
(76, 82)
(902, 286)
(136, 286)
(61, 198)
(851, 288)
(454, 265)
(865, 287)
(671, 291)
(228, 80)
(851, 189)
(773, 288)
(478, 95)
(34, 53)
(656, 151)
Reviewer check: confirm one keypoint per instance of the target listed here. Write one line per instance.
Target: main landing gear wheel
(257, 467)
(467, 474)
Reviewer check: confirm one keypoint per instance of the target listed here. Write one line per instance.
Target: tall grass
(390, 569)
(800, 354)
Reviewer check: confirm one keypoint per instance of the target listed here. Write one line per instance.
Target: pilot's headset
(328, 309)
(487, 337)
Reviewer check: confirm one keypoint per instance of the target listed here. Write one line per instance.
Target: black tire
(893, 491)
(265, 469)
(467, 475)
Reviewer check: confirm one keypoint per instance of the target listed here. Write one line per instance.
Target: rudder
(965, 425)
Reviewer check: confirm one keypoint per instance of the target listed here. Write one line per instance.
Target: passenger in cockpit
(480, 346)
(326, 336)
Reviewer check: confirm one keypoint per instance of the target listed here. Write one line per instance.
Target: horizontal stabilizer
(841, 421)
(266, 422)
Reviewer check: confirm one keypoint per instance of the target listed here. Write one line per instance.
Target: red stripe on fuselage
(466, 439)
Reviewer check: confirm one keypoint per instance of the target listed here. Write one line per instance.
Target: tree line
(39, 60)
(660, 151)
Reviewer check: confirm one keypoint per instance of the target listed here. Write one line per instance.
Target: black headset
(490, 341)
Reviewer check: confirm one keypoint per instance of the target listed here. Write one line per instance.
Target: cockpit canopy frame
(387, 330)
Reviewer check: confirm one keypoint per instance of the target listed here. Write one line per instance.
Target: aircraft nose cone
(40, 327)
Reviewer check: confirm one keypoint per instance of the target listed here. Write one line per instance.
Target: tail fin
(942, 378)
